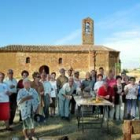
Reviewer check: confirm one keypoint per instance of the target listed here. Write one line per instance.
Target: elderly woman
(65, 95)
(28, 103)
(131, 91)
(38, 86)
(4, 102)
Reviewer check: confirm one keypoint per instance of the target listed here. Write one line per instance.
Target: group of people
(46, 93)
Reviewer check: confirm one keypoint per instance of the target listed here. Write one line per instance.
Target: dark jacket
(117, 95)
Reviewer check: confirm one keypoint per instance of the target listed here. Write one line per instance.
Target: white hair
(25, 80)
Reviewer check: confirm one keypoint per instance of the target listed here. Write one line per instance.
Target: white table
(96, 115)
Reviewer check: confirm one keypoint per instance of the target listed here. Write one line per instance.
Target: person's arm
(82, 86)
(136, 92)
(26, 99)
(21, 99)
(58, 83)
(126, 89)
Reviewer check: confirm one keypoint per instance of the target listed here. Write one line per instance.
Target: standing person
(125, 81)
(87, 84)
(139, 99)
(77, 82)
(28, 103)
(62, 79)
(93, 75)
(65, 97)
(99, 83)
(53, 94)
(4, 102)
(111, 81)
(12, 83)
(47, 93)
(101, 71)
(38, 86)
(24, 75)
(119, 104)
(131, 91)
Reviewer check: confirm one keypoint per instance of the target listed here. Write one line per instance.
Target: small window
(27, 60)
(60, 61)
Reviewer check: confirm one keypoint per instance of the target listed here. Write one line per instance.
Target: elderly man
(65, 95)
(12, 84)
(62, 79)
(28, 103)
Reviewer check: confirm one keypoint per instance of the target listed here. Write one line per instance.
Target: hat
(62, 70)
(39, 118)
(10, 71)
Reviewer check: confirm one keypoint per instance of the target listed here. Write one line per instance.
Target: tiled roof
(57, 48)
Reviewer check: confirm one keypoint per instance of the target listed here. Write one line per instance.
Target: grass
(55, 128)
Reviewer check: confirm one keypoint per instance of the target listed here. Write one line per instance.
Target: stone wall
(81, 61)
(17, 61)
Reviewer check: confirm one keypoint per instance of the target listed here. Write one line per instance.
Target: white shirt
(54, 88)
(77, 82)
(132, 90)
(11, 82)
(3, 96)
(47, 87)
(98, 84)
(67, 90)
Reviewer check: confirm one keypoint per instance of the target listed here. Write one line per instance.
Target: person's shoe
(27, 139)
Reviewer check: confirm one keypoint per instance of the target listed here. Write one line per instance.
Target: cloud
(128, 43)
(65, 40)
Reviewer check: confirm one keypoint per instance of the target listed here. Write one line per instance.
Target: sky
(59, 22)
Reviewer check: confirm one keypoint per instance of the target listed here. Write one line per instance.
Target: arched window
(60, 61)
(27, 60)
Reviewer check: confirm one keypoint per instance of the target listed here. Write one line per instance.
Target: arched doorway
(45, 69)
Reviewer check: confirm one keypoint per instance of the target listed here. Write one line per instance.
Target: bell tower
(88, 31)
